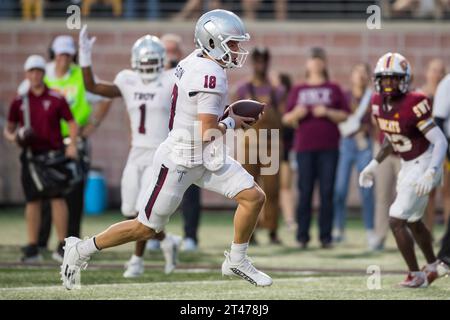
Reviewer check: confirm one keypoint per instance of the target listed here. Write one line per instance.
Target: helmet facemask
(227, 57)
(222, 53)
(148, 58)
(401, 89)
(149, 66)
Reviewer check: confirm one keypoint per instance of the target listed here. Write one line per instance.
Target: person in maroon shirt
(40, 136)
(314, 109)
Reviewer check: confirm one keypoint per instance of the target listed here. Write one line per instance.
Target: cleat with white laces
(134, 267)
(245, 270)
(170, 247)
(415, 280)
(72, 264)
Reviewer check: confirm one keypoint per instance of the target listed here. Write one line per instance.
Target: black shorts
(32, 188)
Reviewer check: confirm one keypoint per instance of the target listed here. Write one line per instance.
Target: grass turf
(338, 273)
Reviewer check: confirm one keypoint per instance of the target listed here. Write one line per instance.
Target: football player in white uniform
(198, 100)
(146, 91)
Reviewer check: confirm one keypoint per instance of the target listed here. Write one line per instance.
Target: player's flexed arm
(104, 89)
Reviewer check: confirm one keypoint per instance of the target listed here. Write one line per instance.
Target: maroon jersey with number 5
(404, 122)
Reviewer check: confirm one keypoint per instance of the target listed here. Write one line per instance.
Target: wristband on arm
(228, 122)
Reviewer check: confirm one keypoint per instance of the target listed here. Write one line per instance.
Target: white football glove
(425, 182)
(85, 48)
(367, 175)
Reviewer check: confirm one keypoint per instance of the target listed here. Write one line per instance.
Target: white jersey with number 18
(193, 75)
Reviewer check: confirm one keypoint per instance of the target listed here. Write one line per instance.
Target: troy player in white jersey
(146, 91)
(198, 99)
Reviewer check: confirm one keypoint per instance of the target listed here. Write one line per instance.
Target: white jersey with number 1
(148, 105)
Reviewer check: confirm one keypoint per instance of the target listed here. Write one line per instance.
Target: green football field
(343, 272)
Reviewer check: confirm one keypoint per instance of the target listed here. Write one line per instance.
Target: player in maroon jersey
(406, 120)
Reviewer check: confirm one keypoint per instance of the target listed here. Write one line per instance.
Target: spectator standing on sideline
(355, 150)
(261, 89)
(64, 76)
(385, 192)
(314, 109)
(287, 200)
(34, 118)
(435, 72)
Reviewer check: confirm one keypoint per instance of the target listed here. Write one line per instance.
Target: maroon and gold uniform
(403, 123)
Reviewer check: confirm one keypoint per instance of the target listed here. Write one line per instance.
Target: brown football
(245, 108)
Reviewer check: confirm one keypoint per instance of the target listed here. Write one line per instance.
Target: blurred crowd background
(249, 9)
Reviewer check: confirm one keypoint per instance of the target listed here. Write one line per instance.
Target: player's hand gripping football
(366, 176)
(85, 48)
(242, 122)
(425, 183)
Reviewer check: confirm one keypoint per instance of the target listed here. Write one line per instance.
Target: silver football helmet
(148, 57)
(213, 31)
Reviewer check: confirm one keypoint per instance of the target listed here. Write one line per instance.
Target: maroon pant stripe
(158, 186)
(173, 106)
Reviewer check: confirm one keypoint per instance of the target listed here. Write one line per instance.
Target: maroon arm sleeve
(14, 111)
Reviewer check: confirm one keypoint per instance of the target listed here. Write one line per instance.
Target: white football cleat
(246, 271)
(415, 280)
(134, 267)
(170, 247)
(72, 264)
